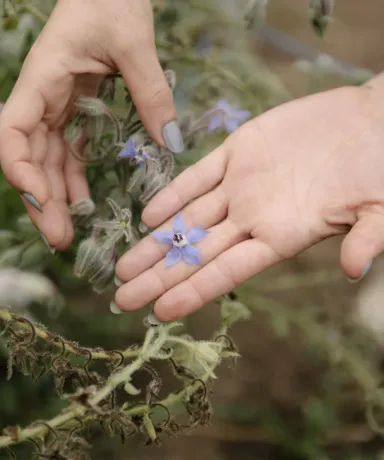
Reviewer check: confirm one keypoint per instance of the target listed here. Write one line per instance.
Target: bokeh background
(289, 397)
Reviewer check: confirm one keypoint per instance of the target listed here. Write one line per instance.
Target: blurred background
(291, 396)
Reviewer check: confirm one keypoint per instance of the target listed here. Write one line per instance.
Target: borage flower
(131, 152)
(224, 115)
(182, 242)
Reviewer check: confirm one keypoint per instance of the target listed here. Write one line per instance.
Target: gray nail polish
(114, 308)
(52, 250)
(365, 271)
(173, 138)
(32, 200)
(117, 281)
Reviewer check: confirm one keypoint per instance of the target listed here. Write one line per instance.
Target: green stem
(6, 316)
(67, 419)
(36, 13)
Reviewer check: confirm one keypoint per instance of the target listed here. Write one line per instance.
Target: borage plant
(201, 44)
(125, 170)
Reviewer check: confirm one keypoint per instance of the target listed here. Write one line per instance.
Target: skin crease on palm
(294, 176)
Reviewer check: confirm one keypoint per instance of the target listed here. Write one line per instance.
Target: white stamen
(179, 240)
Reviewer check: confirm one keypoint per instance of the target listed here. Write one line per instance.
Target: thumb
(151, 93)
(364, 242)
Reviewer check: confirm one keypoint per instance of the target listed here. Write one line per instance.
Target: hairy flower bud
(233, 311)
(91, 106)
(320, 14)
(82, 208)
(11, 257)
(171, 78)
(7, 237)
(86, 253)
(103, 278)
(18, 289)
(255, 13)
(25, 225)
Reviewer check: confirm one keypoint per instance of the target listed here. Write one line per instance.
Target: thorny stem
(75, 412)
(71, 347)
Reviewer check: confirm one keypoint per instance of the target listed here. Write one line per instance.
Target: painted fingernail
(173, 138)
(117, 281)
(32, 200)
(114, 308)
(52, 250)
(365, 271)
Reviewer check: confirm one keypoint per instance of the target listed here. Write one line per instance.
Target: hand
(81, 41)
(296, 175)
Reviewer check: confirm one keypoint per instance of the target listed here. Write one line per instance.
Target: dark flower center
(179, 239)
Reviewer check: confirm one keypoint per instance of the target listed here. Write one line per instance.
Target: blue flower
(182, 242)
(224, 115)
(131, 152)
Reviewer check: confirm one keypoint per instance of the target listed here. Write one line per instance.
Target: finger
(204, 212)
(227, 271)
(362, 244)
(20, 117)
(157, 280)
(39, 145)
(53, 168)
(139, 64)
(52, 222)
(190, 184)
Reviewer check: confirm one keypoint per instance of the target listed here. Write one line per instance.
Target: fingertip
(120, 300)
(361, 246)
(165, 313)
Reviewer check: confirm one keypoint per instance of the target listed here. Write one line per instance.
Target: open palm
(296, 175)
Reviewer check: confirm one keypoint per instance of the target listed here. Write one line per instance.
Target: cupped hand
(296, 175)
(81, 41)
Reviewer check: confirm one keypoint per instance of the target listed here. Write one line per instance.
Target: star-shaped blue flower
(182, 242)
(131, 152)
(224, 115)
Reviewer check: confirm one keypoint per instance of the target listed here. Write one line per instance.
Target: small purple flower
(182, 242)
(224, 115)
(131, 152)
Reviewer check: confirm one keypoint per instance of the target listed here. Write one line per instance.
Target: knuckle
(156, 95)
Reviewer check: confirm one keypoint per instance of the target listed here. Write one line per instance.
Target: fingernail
(52, 250)
(32, 200)
(365, 271)
(173, 138)
(117, 281)
(114, 308)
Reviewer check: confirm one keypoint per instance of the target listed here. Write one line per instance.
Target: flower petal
(129, 151)
(214, 123)
(163, 237)
(231, 125)
(224, 105)
(148, 157)
(196, 234)
(172, 257)
(190, 254)
(179, 225)
(242, 115)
